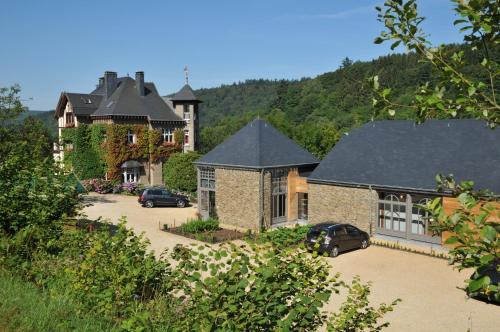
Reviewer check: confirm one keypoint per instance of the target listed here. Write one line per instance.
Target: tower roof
(258, 145)
(185, 94)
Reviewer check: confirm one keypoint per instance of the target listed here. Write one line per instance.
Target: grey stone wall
(237, 198)
(355, 206)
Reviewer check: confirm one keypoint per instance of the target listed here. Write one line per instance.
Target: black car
(151, 197)
(334, 238)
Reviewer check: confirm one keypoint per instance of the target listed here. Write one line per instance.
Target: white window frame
(186, 134)
(131, 175)
(167, 134)
(131, 137)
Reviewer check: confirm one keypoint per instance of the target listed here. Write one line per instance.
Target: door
(341, 238)
(303, 205)
(353, 237)
(167, 198)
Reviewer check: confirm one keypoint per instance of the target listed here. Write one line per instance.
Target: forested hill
(315, 112)
(47, 117)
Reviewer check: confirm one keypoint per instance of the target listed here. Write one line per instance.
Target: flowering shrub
(101, 186)
(129, 187)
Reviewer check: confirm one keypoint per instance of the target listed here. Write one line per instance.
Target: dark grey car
(334, 238)
(161, 197)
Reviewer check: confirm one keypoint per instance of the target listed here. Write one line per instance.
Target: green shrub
(194, 226)
(116, 273)
(232, 288)
(282, 237)
(179, 173)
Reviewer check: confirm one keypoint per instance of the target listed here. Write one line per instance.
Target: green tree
(476, 236)
(179, 172)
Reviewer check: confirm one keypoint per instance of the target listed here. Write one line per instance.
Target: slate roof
(404, 155)
(125, 101)
(258, 145)
(82, 103)
(185, 94)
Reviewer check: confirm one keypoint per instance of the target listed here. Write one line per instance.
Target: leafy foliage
(356, 314)
(101, 149)
(457, 91)
(179, 173)
(282, 237)
(259, 289)
(116, 273)
(198, 226)
(475, 234)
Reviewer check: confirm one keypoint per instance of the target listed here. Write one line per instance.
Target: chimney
(101, 82)
(110, 82)
(139, 82)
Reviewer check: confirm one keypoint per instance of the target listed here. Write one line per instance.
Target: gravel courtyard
(427, 286)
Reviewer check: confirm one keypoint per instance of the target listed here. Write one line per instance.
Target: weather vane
(186, 72)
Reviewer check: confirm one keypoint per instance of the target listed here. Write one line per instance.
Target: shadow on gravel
(98, 199)
(93, 225)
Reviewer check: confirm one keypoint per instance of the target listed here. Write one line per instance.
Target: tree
(179, 172)
(476, 235)
(346, 62)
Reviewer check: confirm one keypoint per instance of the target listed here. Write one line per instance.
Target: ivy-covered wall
(102, 148)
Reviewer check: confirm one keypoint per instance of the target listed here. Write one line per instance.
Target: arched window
(131, 137)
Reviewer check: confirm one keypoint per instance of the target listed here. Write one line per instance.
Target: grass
(24, 307)
(195, 226)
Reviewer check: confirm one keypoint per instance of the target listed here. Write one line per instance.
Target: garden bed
(217, 236)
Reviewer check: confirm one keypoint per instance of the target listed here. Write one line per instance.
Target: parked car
(151, 197)
(333, 238)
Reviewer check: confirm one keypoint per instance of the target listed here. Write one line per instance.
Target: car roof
(327, 225)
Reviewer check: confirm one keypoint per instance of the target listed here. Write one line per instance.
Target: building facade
(255, 179)
(124, 100)
(377, 177)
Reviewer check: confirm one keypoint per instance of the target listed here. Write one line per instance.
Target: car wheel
(149, 204)
(364, 244)
(181, 203)
(334, 252)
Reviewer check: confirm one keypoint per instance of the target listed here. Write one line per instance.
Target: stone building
(255, 179)
(376, 177)
(124, 100)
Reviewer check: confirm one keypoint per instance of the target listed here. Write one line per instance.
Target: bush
(179, 172)
(101, 186)
(129, 187)
(116, 273)
(282, 237)
(194, 226)
(236, 289)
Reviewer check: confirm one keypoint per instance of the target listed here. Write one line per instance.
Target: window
(130, 175)
(207, 178)
(279, 189)
(166, 193)
(352, 231)
(187, 114)
(167, 135)
(186, 136)
(70, 118)
(131, 137)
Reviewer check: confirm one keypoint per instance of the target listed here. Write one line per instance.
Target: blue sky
(51, 46)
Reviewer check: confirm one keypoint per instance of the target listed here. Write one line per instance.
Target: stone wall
(237, 198)
(156, 173)
(355, 206)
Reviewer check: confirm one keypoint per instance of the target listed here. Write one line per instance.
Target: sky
(53, 46)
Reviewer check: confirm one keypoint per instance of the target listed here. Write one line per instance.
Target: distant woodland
(315, 112)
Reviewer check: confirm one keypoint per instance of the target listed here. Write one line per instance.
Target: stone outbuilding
(255, 179)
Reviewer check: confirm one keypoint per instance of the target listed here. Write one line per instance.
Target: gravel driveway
(427, 286)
